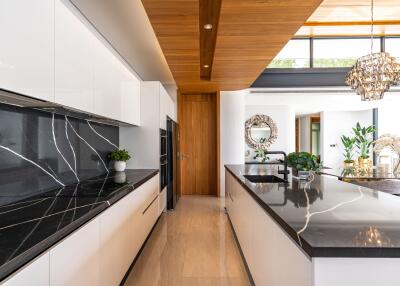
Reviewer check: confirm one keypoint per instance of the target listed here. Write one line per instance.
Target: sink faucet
(284, 172)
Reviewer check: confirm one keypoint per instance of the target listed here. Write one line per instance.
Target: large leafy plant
(303, 161)
(364, 139)
(119, 155)
(349, 145)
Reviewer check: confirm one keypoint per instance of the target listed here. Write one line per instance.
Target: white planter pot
(120, 177)
(119, 166)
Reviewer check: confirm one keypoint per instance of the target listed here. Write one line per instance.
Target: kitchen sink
(264, 179)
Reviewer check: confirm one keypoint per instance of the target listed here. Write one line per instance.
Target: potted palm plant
(120, 157)
(364, 140)
(349, 145)
(302, 163)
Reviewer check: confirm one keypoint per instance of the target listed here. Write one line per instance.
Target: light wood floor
(193, 245)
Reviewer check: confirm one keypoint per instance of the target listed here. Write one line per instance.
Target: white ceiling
(124, 23)
(309, 101)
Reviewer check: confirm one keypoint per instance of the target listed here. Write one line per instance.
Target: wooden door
(198, 144)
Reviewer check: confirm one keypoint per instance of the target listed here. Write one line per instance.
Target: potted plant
(302, 164)
(261, 155)
(364, 140)
(119, 157)
(348, 144)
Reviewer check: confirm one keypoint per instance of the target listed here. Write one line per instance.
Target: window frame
(311, 49)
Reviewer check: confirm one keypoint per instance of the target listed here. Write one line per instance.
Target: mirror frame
(258, 119)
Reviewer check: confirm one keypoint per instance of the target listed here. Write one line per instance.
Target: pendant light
(373, 74)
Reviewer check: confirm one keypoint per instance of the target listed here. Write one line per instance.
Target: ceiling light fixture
(373, 74)
(208, 26)
(206, 66)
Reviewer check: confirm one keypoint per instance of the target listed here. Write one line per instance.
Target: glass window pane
(392, 46)
(296, 54)
(341, 52)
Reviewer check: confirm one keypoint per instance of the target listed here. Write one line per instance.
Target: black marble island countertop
(327, 217)
(30, 226)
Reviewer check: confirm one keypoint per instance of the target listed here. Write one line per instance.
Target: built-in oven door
(163, 172)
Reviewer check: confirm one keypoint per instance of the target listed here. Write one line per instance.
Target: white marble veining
(69, 142)
(58, 149)
(93, 149)
(101, 136)
(33, 163)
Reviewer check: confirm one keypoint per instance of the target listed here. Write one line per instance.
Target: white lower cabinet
(35, 273)
(123, 230)
(102, 250)
(75, 260)
(117, 239)
(163, 201)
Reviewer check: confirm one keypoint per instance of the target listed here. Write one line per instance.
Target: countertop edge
(31, 254)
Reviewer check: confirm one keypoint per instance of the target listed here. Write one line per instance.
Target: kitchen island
(323, 232)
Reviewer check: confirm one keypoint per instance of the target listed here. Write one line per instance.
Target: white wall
(304, 134)
(232, 111)
(388, 113)
(335, 124)
(284, 118)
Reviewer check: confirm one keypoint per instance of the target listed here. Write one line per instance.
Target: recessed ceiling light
(207, 26)
(206, 66)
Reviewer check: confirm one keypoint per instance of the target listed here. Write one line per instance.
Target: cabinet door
(163, 108)
(163, 200)
(75, 260)
(117, 239)
(35, 273)
(27, 47)
(74, 58)
(107, 76)
(130, 98)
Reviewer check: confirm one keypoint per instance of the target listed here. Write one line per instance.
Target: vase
(301, 175)
(120, 177)
(364, 163)
(396, 167)
(119, 166)
(348, 164)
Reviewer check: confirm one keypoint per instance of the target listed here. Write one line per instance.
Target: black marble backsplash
(40, 151)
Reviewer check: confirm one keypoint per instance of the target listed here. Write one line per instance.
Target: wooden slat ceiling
(353, 17)
(250, 34)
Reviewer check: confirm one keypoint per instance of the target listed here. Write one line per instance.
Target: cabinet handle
(149, 205)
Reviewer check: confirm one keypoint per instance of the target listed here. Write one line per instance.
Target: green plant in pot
(349, 145)
(302, 163)
(261, 155)
(120, 157)
(363, 142)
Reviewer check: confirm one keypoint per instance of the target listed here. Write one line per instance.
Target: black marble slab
(41, 151)
(354, 174)
(328, 217)
(30, 226)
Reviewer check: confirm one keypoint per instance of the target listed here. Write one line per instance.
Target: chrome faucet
(284, 172)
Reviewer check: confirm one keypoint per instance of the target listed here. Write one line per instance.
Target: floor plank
(193, 245)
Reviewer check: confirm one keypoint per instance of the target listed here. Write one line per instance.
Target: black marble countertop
(354, 174)
(31, 226)
(328, 217)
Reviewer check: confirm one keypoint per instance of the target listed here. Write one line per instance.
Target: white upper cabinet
(130, 97)
(27, 47)
(107, 82)
(74, 58)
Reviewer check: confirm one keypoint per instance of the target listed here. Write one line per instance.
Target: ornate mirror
(260, 131)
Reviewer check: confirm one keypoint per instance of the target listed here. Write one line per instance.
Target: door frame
(217, 130)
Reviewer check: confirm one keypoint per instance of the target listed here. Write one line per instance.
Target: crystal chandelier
(373, 74)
